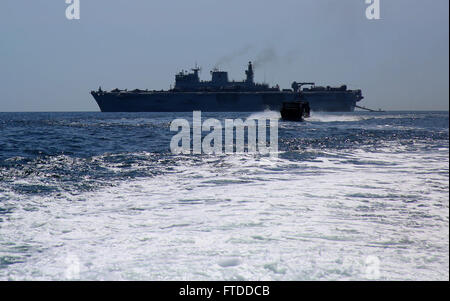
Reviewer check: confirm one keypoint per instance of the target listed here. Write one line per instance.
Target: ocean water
(99, 196)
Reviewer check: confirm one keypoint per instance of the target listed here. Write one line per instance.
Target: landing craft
(221, 95)
(295, 110)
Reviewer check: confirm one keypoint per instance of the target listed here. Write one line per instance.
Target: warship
(222, 95)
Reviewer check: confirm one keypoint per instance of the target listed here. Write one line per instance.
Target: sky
(50, 63)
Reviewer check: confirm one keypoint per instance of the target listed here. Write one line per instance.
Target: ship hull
(169, 101)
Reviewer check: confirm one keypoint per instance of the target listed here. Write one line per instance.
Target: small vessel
(295, 110)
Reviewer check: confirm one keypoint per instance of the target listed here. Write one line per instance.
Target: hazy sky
(48, 63)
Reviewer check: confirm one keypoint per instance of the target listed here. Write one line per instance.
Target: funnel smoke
(226, 59)
(265, 56)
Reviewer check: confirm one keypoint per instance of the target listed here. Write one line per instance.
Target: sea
(100, 196)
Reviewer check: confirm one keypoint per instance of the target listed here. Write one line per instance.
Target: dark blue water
(86, 188)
